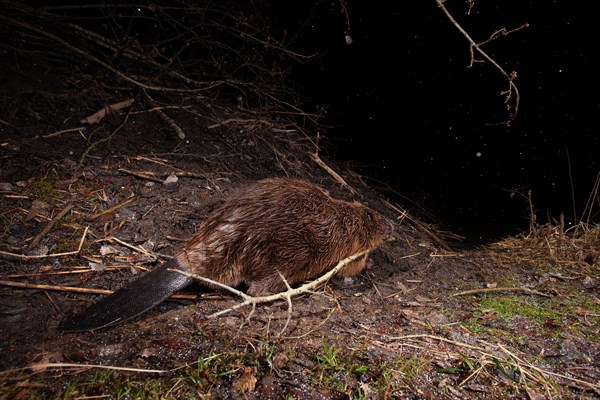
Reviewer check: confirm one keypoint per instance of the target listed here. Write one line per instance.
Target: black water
(406, 109)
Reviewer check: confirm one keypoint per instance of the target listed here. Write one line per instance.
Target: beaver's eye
(369, 215)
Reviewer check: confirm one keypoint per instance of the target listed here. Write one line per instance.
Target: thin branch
(104, 111)
(39, 237)
(58, 133)
(138, 249)
(42, 367)
(8, 255)
(106, 139)
(513, 91)
(24, 285)
(337, 177)
(113, 208)
(501, 289)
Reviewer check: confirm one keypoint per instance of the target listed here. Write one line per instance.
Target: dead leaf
(149, 352)
(37, 206)
(589, 282)
(280, 360)
(96, 266)
(6, 187)
(533, 395)
(47, 358)
(367, 391)
(436, 318)
(39, 251)
(410, 314)
(108, 249)
(402, 287)
(46, 268)
(246, 382)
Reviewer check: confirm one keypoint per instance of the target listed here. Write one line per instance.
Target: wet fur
(288, 226)
(273, 226)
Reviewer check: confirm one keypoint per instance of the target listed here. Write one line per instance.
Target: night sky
(434, 134)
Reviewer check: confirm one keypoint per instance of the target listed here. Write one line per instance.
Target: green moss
(508, 307)
(66, 244)
(43, 189)
(583, 312)
(495, 314)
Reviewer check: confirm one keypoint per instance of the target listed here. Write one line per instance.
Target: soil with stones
(133, 190)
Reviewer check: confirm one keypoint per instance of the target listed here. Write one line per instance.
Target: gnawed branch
(287, 295)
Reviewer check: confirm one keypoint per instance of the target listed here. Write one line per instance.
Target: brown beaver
(283, 225)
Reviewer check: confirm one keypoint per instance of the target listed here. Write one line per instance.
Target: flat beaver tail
(133, 299)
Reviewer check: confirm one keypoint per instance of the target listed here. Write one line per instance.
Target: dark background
(433, 135)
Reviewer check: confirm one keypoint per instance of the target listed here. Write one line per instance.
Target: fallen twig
(327, 168)
(152, 176)
(139, 249)
(521, 361)
(79, 289)
(6, 254)
(106, 139)
(240, 121)
(113, 208)
(77, 269)
(420, 226)
(501, 289)
(171, 123)
(143, 175)
(43, 233)
(43, 366)
(524, 367)
(58, 133)
(54, 287)
(104, 111)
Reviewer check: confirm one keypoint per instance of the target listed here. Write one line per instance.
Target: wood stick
(78, 289)
(113, 208)
(39, 237)
(501, 289)
(6, 254)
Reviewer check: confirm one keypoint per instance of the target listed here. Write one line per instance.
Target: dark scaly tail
(139, 296)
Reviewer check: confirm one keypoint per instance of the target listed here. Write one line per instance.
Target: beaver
(273, 226)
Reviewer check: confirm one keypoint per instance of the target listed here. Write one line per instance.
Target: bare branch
(511, 96)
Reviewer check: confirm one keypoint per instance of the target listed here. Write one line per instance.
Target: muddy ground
(90, 206)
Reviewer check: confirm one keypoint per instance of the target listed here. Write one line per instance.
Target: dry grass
(577, 247)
